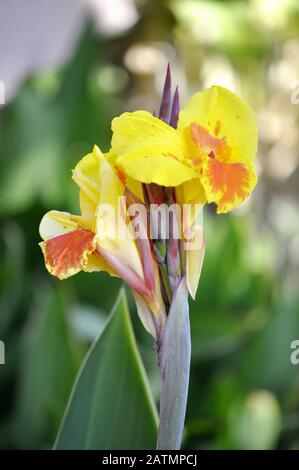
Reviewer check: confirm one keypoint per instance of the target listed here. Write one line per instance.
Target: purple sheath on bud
(164, 112)
(175, 109)
(169, 113)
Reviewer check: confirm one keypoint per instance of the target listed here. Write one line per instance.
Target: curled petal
(145, 315)
(227, 184)
(193, 244)
(56, 223)
(87, 176)
(194, 262)
(67, 254)
(114, 233)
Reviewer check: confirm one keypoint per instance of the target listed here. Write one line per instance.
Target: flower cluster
(202, 154)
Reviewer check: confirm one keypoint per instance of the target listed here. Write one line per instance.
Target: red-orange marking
(209, 144)
(232, 180)
(121, 176)
(217, 127)
(65, 252)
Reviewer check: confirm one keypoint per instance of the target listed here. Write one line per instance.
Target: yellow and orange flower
(209, 156)
(90, 242)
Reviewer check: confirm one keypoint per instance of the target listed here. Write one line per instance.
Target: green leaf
(111, 406)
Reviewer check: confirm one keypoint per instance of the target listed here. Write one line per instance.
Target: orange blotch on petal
(208, 143)
(67, 254)
(217, 127)
(121, 176)
(227, 184)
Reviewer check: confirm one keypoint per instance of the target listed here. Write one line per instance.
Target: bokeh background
(68, 67)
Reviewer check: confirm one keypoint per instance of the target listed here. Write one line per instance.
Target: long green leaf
(111, 406)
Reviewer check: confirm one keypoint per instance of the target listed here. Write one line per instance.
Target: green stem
(165, 278)
(174, 371)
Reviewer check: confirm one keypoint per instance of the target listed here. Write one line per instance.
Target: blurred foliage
(243, 390)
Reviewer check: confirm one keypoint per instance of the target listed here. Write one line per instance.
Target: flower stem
(165, 279)
(174, 371)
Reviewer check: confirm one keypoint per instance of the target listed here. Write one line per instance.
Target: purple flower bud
(164, 113)
(175, 109)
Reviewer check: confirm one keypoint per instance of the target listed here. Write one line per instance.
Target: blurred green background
(73, 66)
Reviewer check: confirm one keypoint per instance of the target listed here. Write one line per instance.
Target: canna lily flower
(208, 157)
(90, 242)
(205, 153)
(202, 154)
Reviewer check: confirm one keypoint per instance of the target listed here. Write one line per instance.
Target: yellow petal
(96, 262)
(65, 256)
(225, 116)
(114, 234)
(145, 315)
(150, 151)
(156, 161)
(194, 246)
(56, 223)
(137, 125)
(190, 192)
(194, 261)
(87, 176)
(134, 186)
